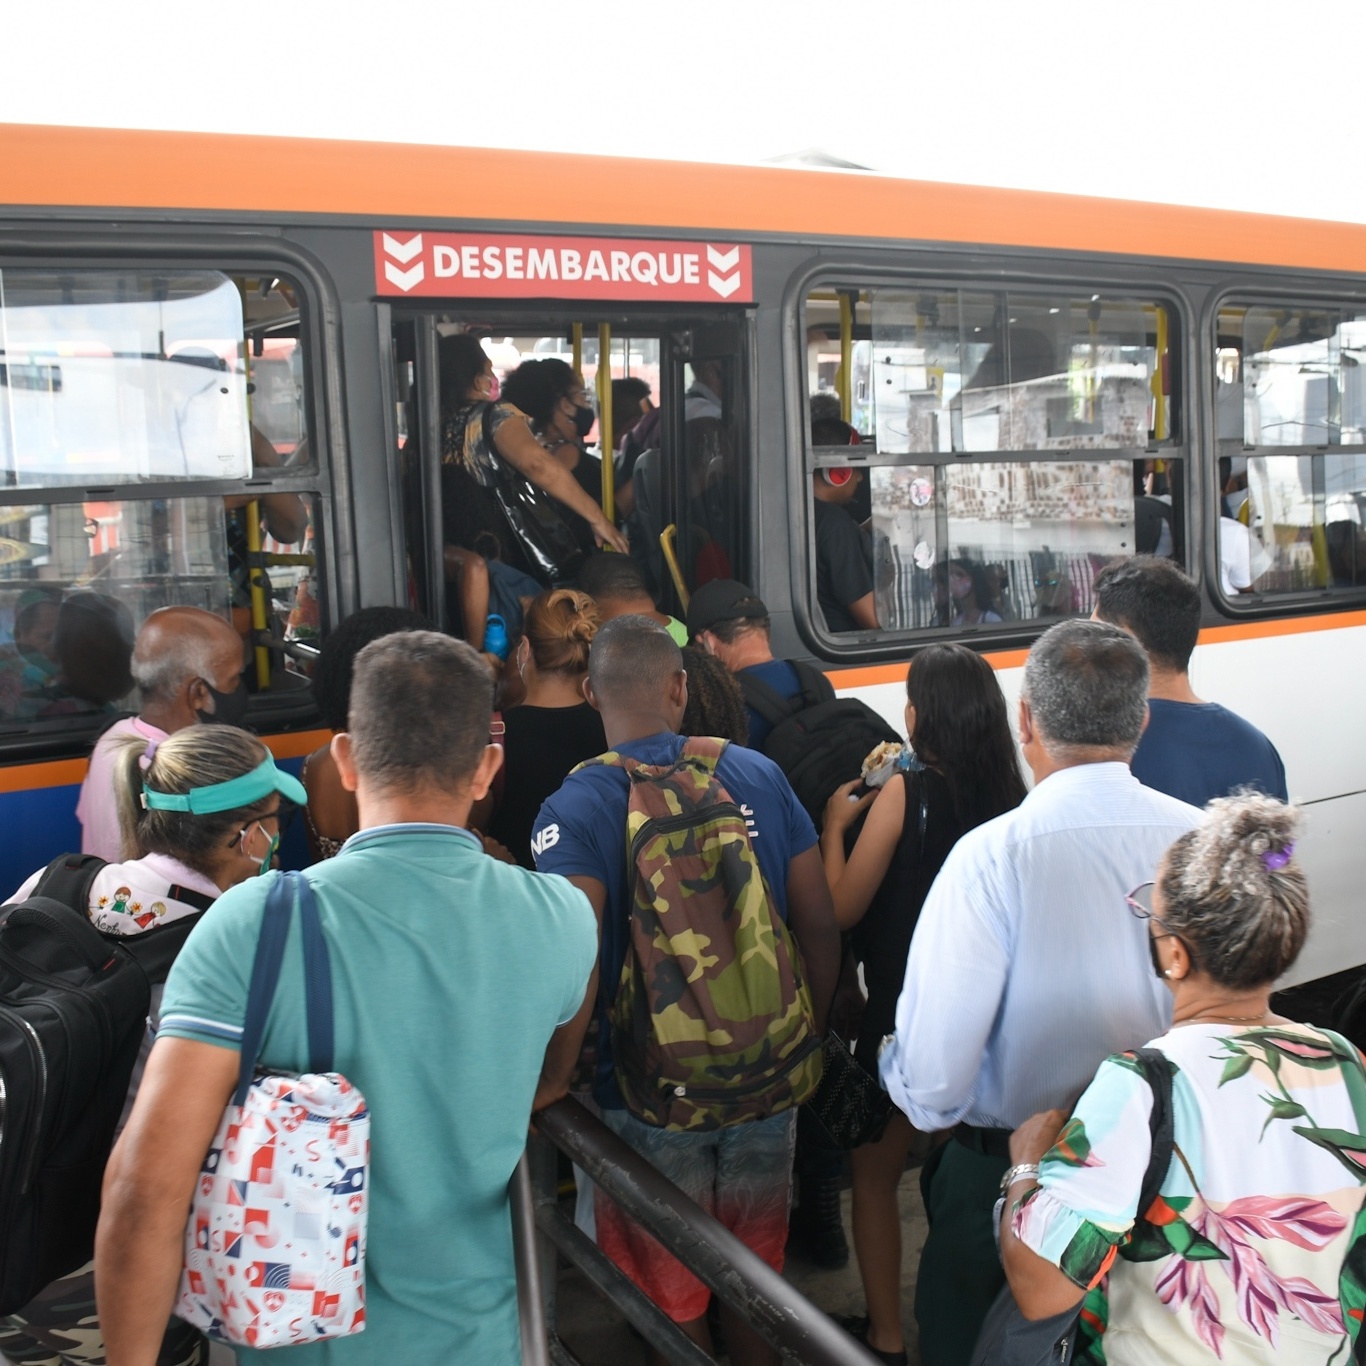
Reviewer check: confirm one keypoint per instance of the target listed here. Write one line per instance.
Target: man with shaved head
(187, 664)
(739, 1172)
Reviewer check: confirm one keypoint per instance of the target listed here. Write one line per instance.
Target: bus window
(1012, 444)
(1290, 412)
(153, 425)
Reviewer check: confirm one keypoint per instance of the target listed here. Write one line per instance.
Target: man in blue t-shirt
(452, 975)
(1192, 749)
(729, 620)
(739, 1173)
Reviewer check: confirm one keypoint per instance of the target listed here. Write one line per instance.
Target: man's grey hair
(1086, 683)
(178, 657)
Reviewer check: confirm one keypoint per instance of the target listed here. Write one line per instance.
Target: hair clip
(145, 758)
(1276, 859)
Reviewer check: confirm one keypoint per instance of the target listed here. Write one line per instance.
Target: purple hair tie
(145, 758)
(1276, 859)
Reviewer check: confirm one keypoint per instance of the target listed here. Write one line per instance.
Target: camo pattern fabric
(60, 1327)
(712, 1023)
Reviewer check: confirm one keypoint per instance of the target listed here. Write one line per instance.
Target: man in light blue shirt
(452, 975)
(1027, 968)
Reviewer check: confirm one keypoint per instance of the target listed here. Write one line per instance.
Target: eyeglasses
(1141, 900)
(279, 816)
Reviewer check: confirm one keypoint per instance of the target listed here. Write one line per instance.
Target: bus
(199, 329)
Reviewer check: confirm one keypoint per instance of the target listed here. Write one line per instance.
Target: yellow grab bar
(666, 544)
(605, 434)
(257, 591)
(845, 382)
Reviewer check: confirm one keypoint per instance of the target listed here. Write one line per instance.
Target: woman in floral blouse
(1253, 1250)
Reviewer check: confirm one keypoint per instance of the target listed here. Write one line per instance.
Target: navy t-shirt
(782, 678)
(1196, 751)
(581, 832)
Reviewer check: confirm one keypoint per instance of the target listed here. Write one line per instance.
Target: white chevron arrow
(403, 251)
(722, 260)
(724, 286)
(404, 279)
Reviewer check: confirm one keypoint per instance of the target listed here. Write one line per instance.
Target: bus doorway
(677, 439)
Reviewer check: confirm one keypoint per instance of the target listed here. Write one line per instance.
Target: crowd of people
(583, 870)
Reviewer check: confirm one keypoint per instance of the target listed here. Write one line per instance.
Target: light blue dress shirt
(1027, 968)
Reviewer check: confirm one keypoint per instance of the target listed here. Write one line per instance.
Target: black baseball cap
(722, 600)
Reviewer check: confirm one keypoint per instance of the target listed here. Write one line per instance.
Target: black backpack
(818, 740)
(73, 1015)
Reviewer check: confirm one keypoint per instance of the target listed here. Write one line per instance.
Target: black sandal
(856, 1325)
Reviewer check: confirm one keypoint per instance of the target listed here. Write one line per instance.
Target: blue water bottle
(496, 636)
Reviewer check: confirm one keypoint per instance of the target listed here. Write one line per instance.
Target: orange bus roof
(54, 167)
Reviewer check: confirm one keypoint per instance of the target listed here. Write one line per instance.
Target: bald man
(187, 664)
(740, 1172)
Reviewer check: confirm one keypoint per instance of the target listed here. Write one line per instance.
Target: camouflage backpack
(712, 1023)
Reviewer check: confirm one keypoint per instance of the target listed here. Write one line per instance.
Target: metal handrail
(743, 1280)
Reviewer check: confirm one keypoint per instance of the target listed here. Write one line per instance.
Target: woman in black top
(554, 728)
(956, 720)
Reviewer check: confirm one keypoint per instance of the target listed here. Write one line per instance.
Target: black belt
(989, 1142)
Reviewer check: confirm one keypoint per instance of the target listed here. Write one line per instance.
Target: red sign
(473, 265)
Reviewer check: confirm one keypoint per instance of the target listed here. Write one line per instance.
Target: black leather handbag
(552, 550)
(849, 1107)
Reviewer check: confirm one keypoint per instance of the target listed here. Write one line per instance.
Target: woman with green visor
(198, 813)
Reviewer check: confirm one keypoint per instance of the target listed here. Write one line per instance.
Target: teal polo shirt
(450, 972)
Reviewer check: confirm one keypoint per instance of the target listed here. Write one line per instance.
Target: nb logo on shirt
(548, 838)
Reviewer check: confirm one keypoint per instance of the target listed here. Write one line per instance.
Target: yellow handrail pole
(666, 544)
(604, 384)
(255, 578)
(845, 379)
(256, 593)
(1160, 378)
(576, 336)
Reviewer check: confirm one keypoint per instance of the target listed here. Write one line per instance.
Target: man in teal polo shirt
(451, 975)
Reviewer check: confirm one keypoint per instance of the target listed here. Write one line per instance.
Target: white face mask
(262, 864)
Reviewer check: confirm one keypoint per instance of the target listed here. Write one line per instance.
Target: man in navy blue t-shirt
(729, 620)
(739, 1173)
(1192, 749)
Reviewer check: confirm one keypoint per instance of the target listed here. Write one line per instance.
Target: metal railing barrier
(740, 1278)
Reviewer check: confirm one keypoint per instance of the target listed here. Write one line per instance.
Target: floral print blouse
(1254, 1250)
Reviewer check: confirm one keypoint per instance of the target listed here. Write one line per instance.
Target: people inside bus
(1252, 1249)
(1054, 593)
(844, 551)
(187, 664)
(740, 1172)
(471, 421)
(553, 729)
(958, 727)
(431, 943)
(1191, 749)
(616, 583)
(729, 620)
(93, 645)
(331, 817)
(703, 397)
(630, 407)
(1026, 969)
(179, 861)
(963, 594)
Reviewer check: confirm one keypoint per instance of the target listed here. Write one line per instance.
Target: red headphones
(839, 475)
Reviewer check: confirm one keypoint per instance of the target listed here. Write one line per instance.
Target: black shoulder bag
(535, 518)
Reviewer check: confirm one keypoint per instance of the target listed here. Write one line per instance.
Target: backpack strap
(769, 703)
(706, 749)
(1157, 1071)
(69, 878)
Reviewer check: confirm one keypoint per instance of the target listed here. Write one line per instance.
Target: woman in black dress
(966, 771)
